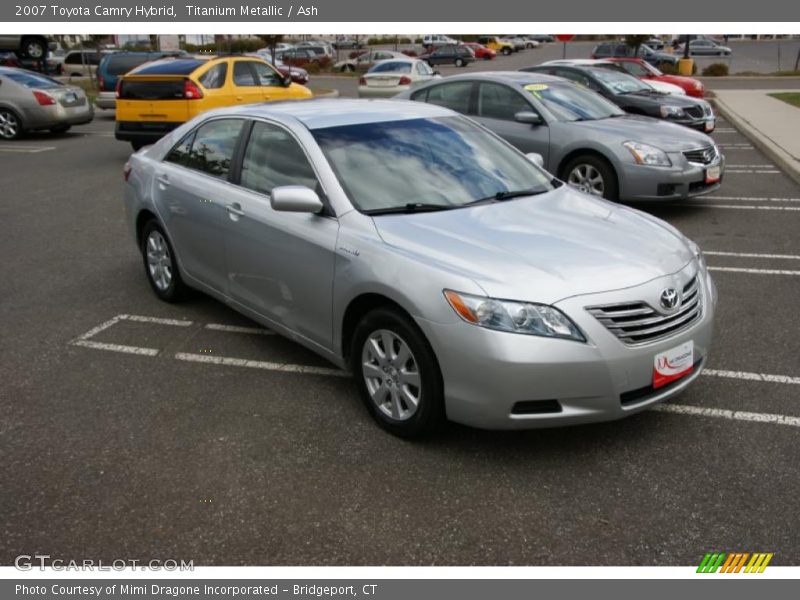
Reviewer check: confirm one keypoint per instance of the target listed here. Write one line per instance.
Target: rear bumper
(45, 117)
(145, 132)
(106, 100)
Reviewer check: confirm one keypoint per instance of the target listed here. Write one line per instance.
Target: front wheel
(592, 175)
(459, 62)
(397, 374)
(506, 51)
(160, 265)
(35, 49)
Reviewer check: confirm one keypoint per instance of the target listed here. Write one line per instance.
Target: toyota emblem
(670, 298)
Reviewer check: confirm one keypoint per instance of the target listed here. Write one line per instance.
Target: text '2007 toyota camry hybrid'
(450, 273)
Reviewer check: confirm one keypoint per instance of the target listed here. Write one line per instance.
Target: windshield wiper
(507, 195)
(410, 207)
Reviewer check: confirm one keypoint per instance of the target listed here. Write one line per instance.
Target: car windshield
(391, 67)
(31, 80)
(442, 163)
(570, 102)
(619, 82)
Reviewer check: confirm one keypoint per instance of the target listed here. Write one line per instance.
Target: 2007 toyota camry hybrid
(453, 275)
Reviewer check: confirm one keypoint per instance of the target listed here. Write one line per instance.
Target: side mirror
(437, 74)
(536, 159)
(526, 116)
(286, 81)
(295, 198)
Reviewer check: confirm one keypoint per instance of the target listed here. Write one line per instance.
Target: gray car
(453, 276)
(30, 101)
(585, 140)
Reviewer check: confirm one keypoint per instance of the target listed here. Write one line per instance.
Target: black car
(347, 43)
(635, 96)
(621, 50)
(457, 55)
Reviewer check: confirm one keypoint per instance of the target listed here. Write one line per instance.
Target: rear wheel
(459, 62)
(592, 175)
(10, 124)
(506, 51)
(34, 48)
(397, 374)
(160, 265)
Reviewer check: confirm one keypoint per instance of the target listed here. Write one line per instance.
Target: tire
(506, 51)
(160, 265)
(10, 124)
(137, 146)
(582, 172)
(392, 383)
(60, 129)
(459, 62)
(34, 48)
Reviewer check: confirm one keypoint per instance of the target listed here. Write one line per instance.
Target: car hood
(685, 82)
(542, 248)
(666, 99)
(670, 137)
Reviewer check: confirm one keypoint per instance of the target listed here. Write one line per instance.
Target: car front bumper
(106, 100)
(681, 181)
(487, 374)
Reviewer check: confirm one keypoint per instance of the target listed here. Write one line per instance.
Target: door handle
(163, 180)
(235, 210)
(239, 98)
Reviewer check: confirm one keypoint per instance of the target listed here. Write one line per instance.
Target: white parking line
(749, 166)
(258, 364)
(158, 320)
(743, 207)
(753, 171)
(753, 255)
(750, 199)
(26, 149)
(747, 376)
(237, 329)
(754, 271)
(116, 347)
(733, 415)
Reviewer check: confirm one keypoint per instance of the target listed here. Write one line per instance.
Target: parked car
(480, 51)
(279, 47)
(644, 70)
(388, 78)
(516, 43)
(583, 138)
(81, 63)
(297, 74)
(318, 50)
(656, 43)
(635, 96)
(659, 86)
(449, 273)
(541, 38)
(617, 49)
(459, 55)
(705, 47)
(347, 44)
(434, 41)
(30, 101)
(158, 96)
(525, 41)
(297, 55)
(115, 64)
(47, 67)
(25, 46)
(364, 61)
(494, 43)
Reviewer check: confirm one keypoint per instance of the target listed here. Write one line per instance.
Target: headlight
(698, 85)
(514, 317)
(648, 155)
(671, 111)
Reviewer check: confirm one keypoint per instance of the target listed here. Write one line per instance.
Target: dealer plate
(673, 364)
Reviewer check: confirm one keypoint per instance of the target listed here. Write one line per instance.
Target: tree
(272, 42)
(635, 42)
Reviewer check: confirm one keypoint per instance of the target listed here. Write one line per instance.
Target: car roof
(170, 66)
(517, 77)
(330, 112)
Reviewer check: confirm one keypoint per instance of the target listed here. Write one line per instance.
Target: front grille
(695, 111)
(702, 156)
(638, 322)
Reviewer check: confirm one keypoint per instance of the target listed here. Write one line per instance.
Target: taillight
(126, 171)
(44, 99)
(362, 81)
(191, 91)
(405, 80)
(118, 88)
(101, 82)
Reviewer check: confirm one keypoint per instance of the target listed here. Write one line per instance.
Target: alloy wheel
(159, 261)
(391, 374)
(9, 125)
(587, 179)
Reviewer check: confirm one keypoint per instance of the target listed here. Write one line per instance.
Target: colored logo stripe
(734, 562)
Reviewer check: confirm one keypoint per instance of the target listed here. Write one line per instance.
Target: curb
(785, 161)
(325, 93)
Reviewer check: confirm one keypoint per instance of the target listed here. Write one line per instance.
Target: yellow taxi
(494, 43)
(157, 97)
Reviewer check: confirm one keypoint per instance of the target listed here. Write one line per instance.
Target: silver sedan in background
(30, 101)
(453, 276)
(388, 78)
(585, 140)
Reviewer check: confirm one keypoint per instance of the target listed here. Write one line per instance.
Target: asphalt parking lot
(136, 429)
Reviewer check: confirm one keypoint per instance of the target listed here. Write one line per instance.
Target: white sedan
(388, 78)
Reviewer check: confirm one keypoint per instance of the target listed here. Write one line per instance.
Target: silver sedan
(584, 139)
(30, 101)
(448, 271)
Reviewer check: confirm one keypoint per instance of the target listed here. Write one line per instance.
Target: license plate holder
(673, 364)
(713, 174)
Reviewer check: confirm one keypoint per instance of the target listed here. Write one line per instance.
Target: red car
(644, 70)
(480, 51)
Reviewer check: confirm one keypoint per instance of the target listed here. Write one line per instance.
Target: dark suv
(457, 55)
(620, 49)
(113, 66)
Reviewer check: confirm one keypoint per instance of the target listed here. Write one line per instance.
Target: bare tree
(272, 42)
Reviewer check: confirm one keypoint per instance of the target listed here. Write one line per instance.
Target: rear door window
(455, 96)
(214, 78)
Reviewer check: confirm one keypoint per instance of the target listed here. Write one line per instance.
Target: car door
(280, 264)
(496, 105)
(190, 190)
(271, 82)
(217, 88)
(246, 88)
